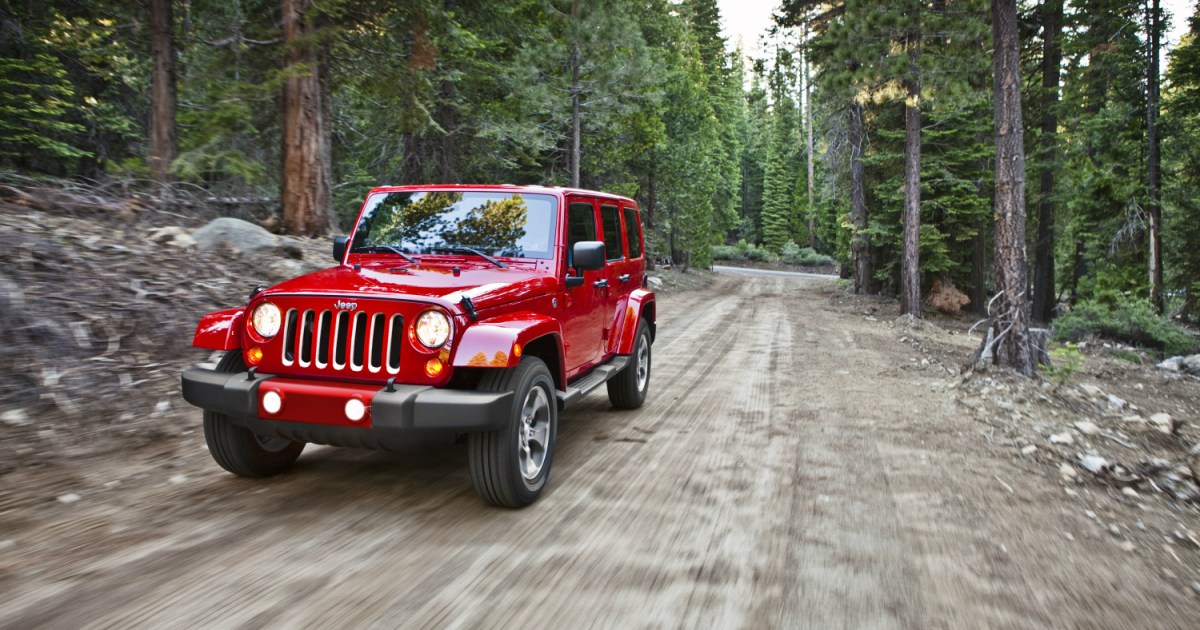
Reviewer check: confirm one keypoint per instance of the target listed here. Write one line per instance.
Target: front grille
(342, 340)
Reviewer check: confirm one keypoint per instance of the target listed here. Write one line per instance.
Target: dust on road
(788, 470)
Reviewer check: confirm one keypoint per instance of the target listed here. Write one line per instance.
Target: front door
(587, 304)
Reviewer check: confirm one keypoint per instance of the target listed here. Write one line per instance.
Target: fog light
(272, 402)
(355, 409)
(433, 367)
(254, 355)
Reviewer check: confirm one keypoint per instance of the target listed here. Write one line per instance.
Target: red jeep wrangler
(477, 310)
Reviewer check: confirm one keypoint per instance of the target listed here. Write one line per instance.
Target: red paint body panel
(219, 330)
(489, 343)
(517, 305)
(639, 300)
(317, 402)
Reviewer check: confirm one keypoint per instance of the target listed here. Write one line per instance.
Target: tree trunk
(1043, 268)
(1008, 341)
(860, 241)
(162, 91)
(808, 125)
(576, 152)
(1153, 160)
(305, 190)
(910, 262)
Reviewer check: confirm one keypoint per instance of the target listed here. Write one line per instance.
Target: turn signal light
(254, 355)
(433, 367)
(517, 350)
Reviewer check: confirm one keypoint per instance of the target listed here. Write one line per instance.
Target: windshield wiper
(375, 249)
(455, 249)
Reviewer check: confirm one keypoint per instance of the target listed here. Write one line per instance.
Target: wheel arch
(500, 342)
(219, 330)
(642, 305)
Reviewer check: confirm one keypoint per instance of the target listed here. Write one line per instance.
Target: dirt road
(793, 467)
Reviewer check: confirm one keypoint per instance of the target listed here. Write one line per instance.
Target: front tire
(627, 390)
(238, 449)
(511, 465)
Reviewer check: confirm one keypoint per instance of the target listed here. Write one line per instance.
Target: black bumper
(400, 417)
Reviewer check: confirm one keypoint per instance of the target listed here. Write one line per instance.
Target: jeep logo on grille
(345, 306)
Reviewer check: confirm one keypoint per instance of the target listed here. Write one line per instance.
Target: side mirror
(339, 247)
(588, 255)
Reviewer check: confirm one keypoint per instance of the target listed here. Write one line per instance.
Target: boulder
(174, 236)
(246, 238)
(1189, 364)
(285, 269)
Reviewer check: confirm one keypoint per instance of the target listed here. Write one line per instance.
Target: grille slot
(339, 340)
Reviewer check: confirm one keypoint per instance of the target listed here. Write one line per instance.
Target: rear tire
(627, 390)
(238, 449)
(511, 465)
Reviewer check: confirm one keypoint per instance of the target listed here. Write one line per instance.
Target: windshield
(494, 223)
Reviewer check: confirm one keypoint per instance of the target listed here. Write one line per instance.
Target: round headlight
(266, 319)
(433, 328)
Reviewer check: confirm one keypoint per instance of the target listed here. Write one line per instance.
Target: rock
(286, 269)
(1062, 438)
(1181, 489)
(1093, 464)
(1196, 587)
(173, 236)
(655, 280)
(177, 479)
(1163, 423)
(1116, 401)
(1005, 405)
(1129, 492)
(15, 418)
(162, 406)
(1087, 428)
(1113, 529)
(1029, 450)
(1068, 472)
(1191, 364)
(1133, 419)
(1127, 545)
(68, 498)
(245, 238)
(1174, 364)
(1092, 390)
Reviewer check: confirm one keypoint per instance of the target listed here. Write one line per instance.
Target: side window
(633, 235)
(611, 218)
(581, 226)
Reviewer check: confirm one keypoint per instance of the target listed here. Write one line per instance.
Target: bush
(759, 254)
(793, 254)
(1133, 322)
(727, 252)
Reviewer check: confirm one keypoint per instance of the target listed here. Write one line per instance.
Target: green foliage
(1129, 321)
(793, 254)
(1065, 361)
(35, 103)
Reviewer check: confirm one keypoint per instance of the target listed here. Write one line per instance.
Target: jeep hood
(485, 286)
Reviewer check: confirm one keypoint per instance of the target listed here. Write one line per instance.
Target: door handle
(600, 284)
(623, 277)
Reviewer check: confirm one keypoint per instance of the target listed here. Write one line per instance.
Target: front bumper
(312, 411)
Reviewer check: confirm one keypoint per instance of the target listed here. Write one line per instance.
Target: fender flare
(219, 330)
(641, 304)
(499, 342)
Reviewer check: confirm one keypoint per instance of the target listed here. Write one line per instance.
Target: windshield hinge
(470, 306)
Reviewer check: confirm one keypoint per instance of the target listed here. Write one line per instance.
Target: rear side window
(611, 218)
(633, 235)
(581, 226)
